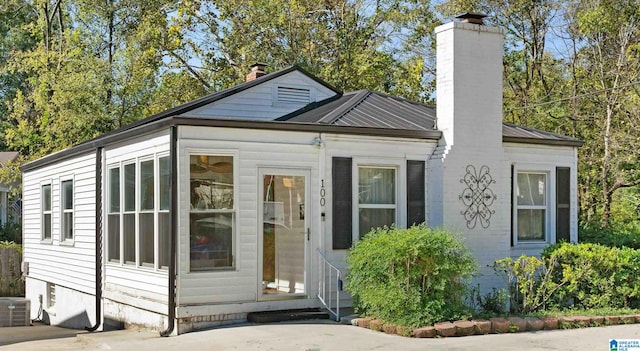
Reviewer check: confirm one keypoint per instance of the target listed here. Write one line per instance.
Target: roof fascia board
(553, 142)
(152, 127)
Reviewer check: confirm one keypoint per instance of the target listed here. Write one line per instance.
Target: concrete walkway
(317, 335)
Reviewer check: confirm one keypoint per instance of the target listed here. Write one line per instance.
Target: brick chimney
(257, 70)
(469, 82)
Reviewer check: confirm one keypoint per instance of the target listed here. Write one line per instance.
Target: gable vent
(291, 95)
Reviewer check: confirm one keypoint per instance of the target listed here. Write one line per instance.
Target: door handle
(308, 233)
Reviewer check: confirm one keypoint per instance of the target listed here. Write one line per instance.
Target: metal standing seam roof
(357, 112)
(366, 108)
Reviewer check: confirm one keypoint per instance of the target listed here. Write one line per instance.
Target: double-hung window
(129, 214)
(67, 209)
(113, 215)
(46, 211)
(138, 219)
(164, 219)
(532, 211)
(212, 213)
(146, 221)
(377, 198)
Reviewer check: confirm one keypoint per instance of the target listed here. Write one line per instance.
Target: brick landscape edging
(495, 325)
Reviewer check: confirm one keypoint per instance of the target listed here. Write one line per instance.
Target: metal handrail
(324, 289)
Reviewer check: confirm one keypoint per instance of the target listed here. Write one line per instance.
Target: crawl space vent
(14, 312)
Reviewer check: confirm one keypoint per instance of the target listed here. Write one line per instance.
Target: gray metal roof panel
(365, 108)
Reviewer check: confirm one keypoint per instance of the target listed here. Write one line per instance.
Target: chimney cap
(472, 17)
(258, 66)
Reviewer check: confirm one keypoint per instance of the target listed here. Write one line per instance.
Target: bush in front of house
(597, 276)
(583, 276)
(411, 277)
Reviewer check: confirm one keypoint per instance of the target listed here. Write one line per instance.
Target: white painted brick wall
(469, 110)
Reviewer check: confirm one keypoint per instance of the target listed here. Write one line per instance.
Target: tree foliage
(73, 69)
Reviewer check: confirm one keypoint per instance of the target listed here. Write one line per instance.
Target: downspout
(98, 240)
(171, 314)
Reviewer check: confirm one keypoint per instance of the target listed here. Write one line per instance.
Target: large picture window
(46, 212)
(532, 214)
(377, 198)
(212, 214)
(67, 210)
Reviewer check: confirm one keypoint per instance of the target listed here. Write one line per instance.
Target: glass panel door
(284, 233)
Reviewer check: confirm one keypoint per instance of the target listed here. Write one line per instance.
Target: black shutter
(512, 204)
(563, 204)
(342, 204)
(415, 192)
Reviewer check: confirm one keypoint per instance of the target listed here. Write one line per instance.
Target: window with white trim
(532, 212)
(129, 214)
(46, 211)
(212, 213)
(138, 219)
(113, 215)
(164, 218)
(377, 198)
(146, 216)
(67, 226)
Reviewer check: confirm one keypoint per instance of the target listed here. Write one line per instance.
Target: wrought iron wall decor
(477, 197)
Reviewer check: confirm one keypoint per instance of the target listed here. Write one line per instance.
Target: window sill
(68, 242)
(46, 241)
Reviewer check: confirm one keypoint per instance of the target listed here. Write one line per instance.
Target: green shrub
(596, 276)
(489, 305)
(531, 282)
(617, 235)
(11, 232)
(410, 277)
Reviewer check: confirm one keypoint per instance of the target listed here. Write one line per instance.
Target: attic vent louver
(291, 95)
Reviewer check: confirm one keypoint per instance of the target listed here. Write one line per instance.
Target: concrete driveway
(317, 335)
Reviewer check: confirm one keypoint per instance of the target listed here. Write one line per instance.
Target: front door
(283, 232)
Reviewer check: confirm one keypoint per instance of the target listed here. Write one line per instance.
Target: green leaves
(410, 276)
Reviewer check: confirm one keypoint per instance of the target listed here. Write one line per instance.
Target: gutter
(98, 240)
(171, 305)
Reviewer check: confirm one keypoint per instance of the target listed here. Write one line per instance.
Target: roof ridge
(333, 116)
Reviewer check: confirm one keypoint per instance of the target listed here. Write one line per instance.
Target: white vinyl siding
(261, 101)
(71, 266)
(543, 159)
(140, 284)
(273, 149)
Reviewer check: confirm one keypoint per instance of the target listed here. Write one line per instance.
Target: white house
(238, 201)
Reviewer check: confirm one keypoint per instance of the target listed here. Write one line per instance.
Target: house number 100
(322, 193)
